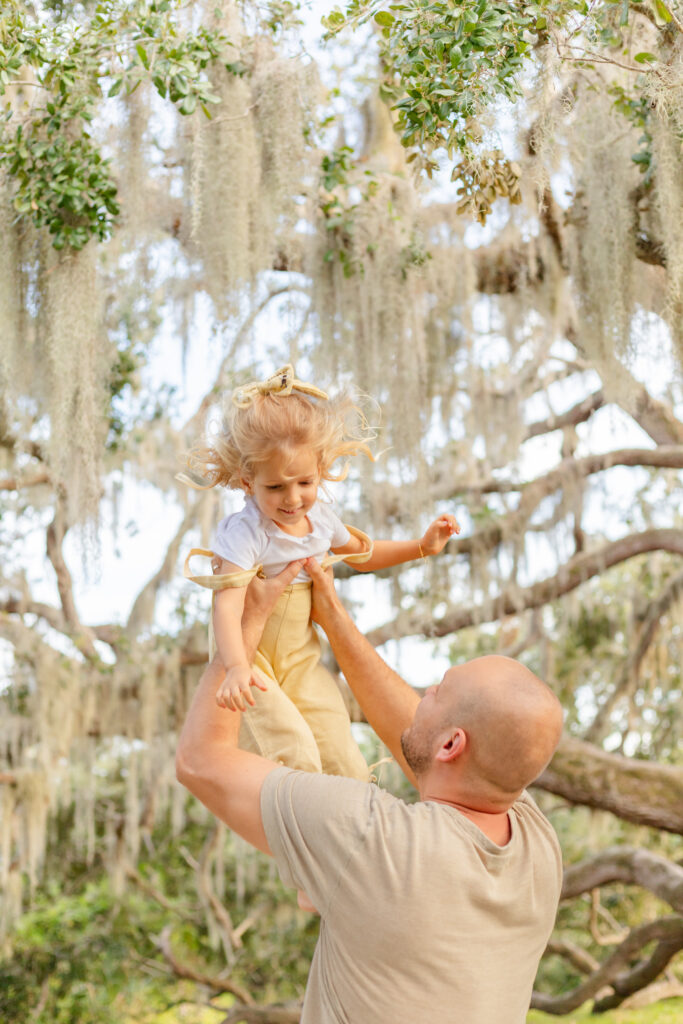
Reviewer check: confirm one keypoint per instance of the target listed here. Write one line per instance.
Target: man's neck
(494, 824)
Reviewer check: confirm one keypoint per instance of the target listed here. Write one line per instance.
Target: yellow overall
(301, 719)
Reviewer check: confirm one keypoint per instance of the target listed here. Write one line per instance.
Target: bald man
(433, 911)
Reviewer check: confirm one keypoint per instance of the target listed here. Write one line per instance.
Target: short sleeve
(239, 540)
(315, 825)
(339, 535)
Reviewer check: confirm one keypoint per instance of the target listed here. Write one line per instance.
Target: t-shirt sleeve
(239, 541)
(339, 535)
(315, 825)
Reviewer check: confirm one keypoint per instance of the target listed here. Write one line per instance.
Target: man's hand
(259, 602)
(325, 600)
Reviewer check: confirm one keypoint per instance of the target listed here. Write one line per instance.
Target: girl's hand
(236, 688)
(437, 534)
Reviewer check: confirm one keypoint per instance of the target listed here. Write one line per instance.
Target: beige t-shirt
(423, 918)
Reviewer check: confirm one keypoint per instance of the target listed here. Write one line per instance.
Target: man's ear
(453, 746)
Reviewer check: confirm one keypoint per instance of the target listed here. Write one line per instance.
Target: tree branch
(668, 931)
(630, 865)
(569, 470)
(183, 971)
(570, 576)
(54, 617)
(56, 532)
(142, 612)
(578, 413)
(17, 483)
(579, 958)
(644, 792)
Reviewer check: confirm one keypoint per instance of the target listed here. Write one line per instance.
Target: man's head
(489, 729)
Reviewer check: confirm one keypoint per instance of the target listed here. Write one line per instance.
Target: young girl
(281, 438)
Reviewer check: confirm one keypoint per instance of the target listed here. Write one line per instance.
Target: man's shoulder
(531, 819)
(528, 810)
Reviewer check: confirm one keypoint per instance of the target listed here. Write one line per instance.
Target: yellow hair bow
(283, 382)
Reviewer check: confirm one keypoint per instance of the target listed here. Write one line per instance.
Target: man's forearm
(208, 762)
(387, 701)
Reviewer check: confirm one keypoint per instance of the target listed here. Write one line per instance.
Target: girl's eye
(272, 487)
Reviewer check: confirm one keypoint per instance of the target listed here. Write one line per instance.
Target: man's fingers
(289, 573)
(314, 569)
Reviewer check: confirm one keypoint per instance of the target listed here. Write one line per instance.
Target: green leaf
(142, 54)
(180, 84)
(662, 13)
(115, 88)
(385, 18)
(645, 57)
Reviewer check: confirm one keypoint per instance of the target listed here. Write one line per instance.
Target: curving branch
(630, 865)
(142, 612)
(643, 974)
(568, 577)
(54, 617)
(643, 792)
(578, 957)
(667, 932)
(218, 984)
(655, 417)
(568, 471)
(56, 532)
(18, 483)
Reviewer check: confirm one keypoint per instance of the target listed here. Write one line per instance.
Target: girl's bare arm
(394, 552)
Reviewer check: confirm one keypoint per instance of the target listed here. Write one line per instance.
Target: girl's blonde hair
(331, 428)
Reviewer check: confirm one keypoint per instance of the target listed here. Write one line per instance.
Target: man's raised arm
(387, 701)
(209, 763)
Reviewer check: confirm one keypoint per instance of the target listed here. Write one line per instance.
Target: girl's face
(285, 487)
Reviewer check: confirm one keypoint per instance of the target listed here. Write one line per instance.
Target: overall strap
(355, 559)
(220, 582)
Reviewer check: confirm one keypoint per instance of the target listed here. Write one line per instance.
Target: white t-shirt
(248, 538)
(423, 918)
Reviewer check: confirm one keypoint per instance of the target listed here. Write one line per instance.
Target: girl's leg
(316, 695)
(275, 729)
(313, 690)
